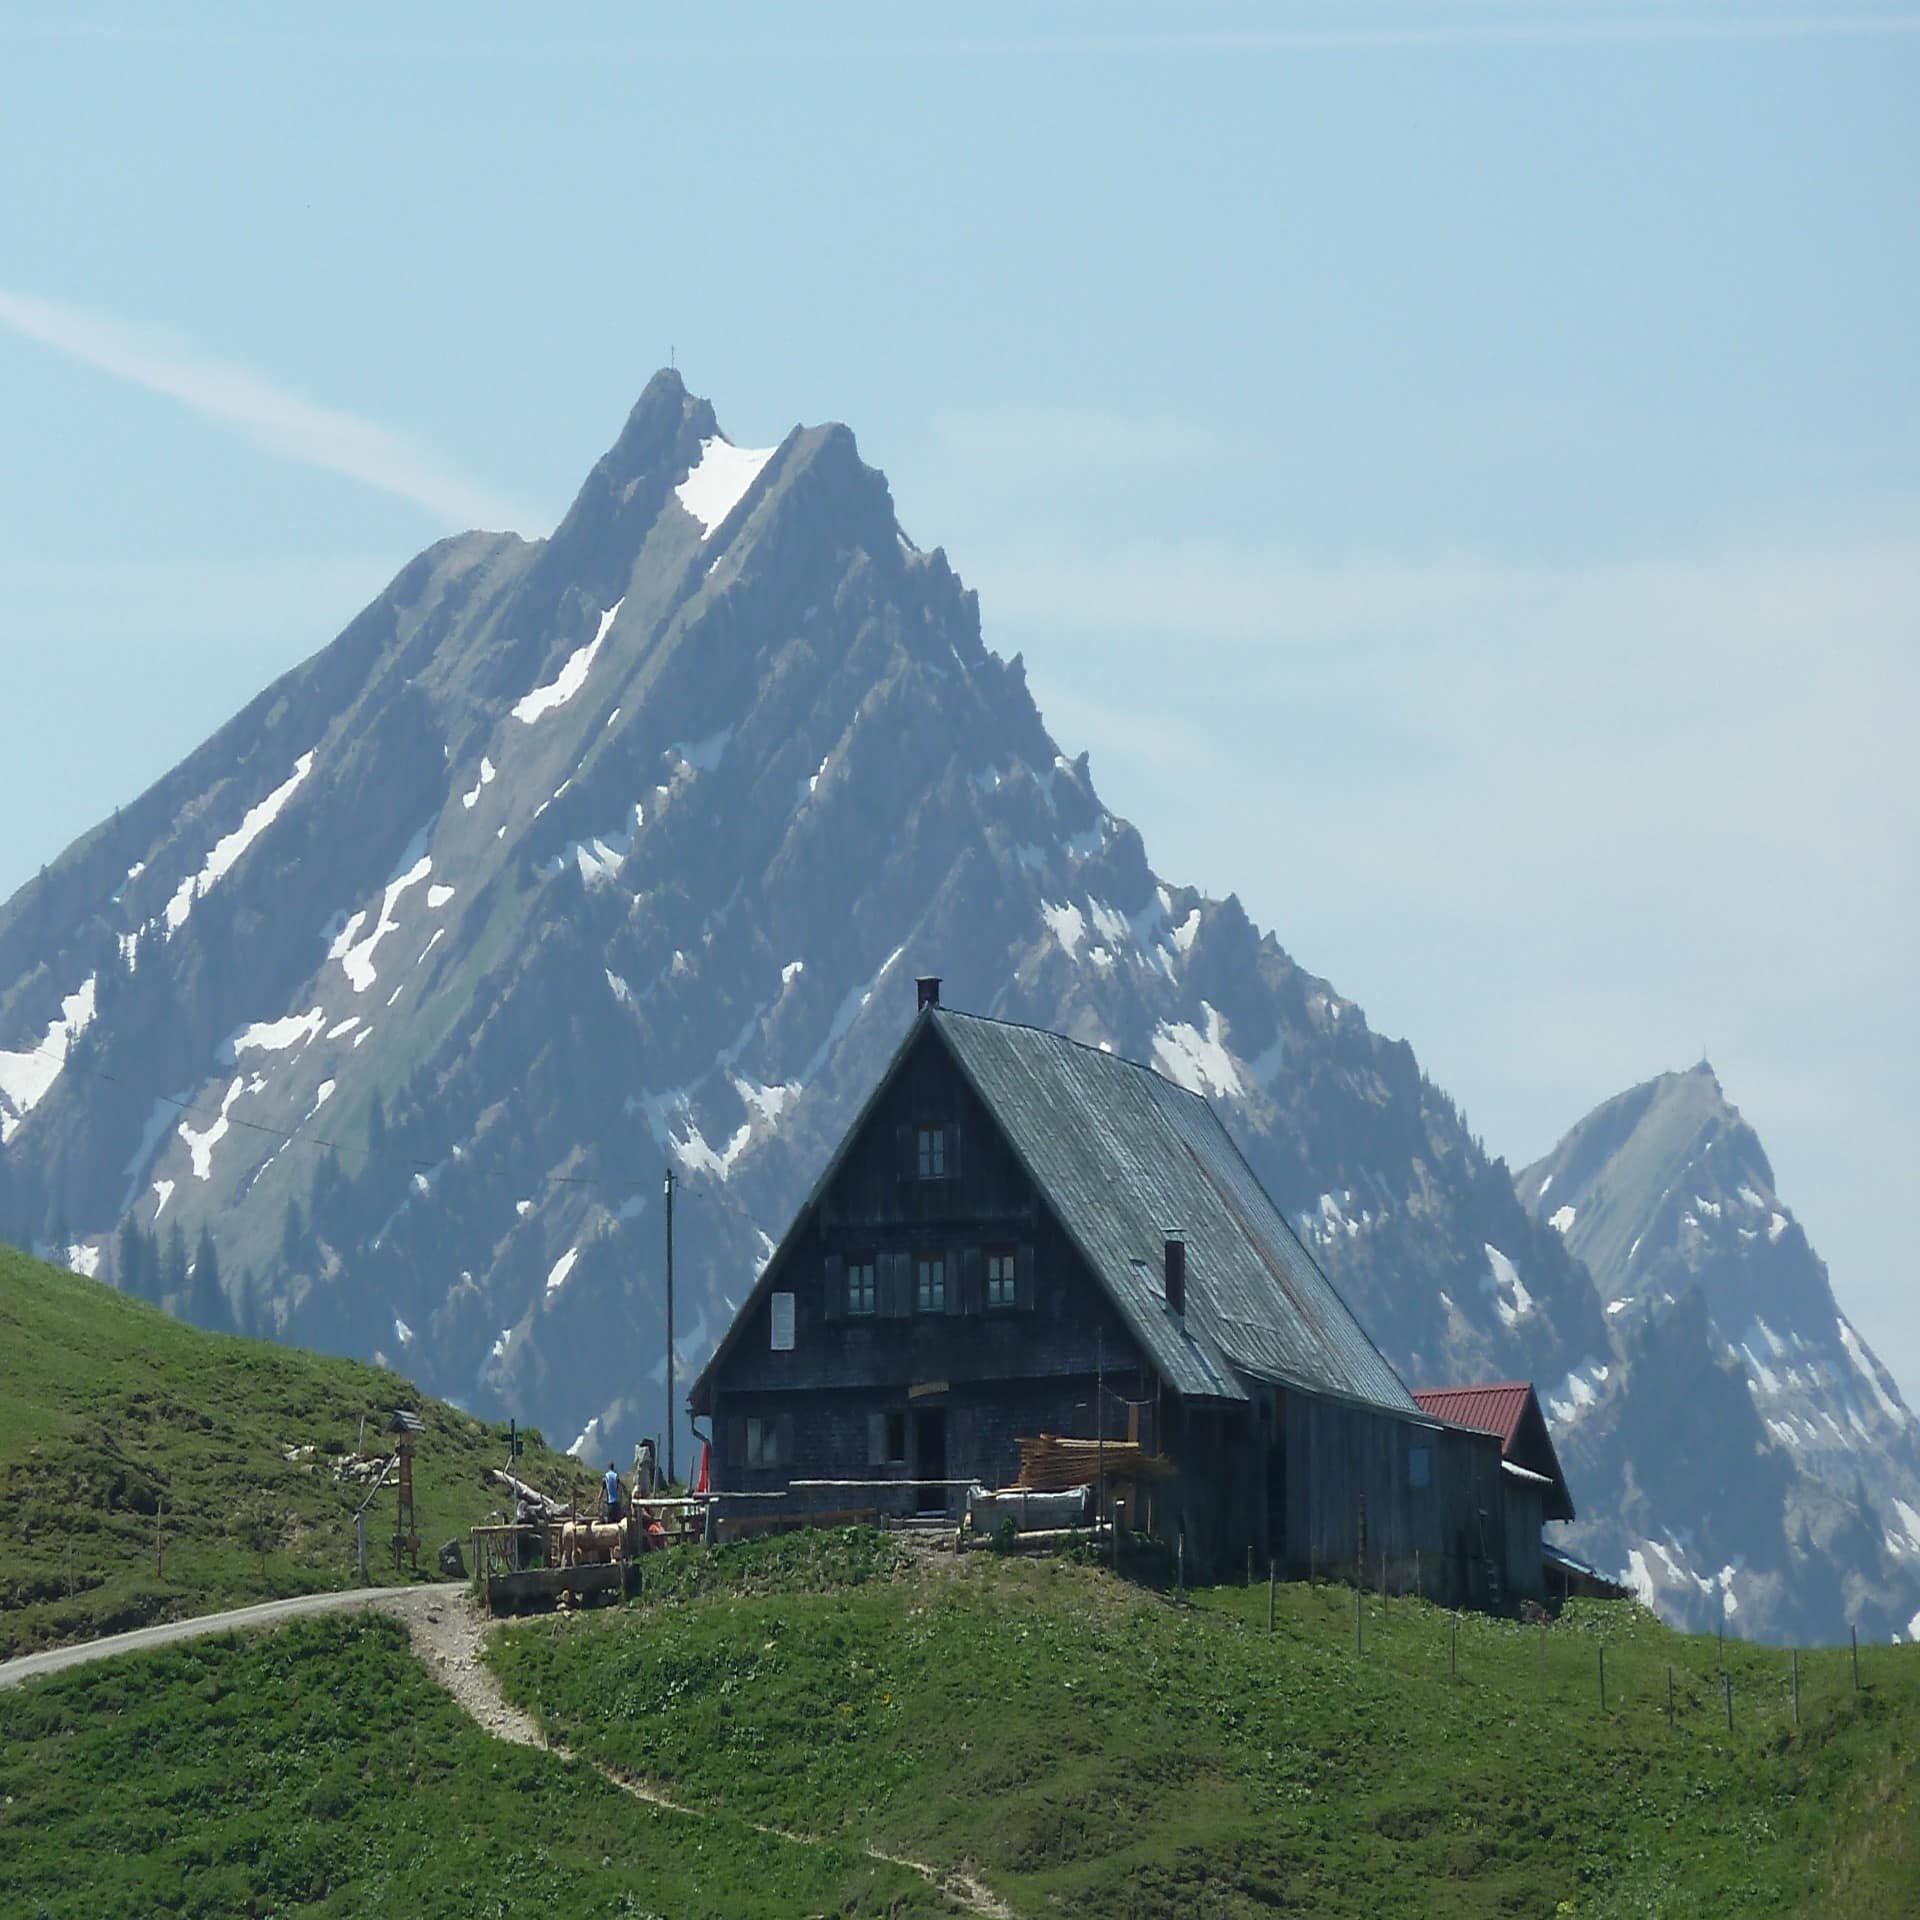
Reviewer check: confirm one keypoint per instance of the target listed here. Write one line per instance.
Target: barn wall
(1339, 1456)
(1525, 1516)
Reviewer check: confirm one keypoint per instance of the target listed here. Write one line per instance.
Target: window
(763, 1442)
(886, 1439)
(1000, 1286)
(862, 1291)
(933, 1283)
(896, 1440)
(1419, 1466)
(933, 1153)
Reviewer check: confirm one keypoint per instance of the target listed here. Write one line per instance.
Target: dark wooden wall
(1000, 1371)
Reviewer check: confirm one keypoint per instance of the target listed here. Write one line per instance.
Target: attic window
(1419, 1467)
(932, 1162)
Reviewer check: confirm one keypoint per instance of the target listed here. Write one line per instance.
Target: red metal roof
(1494, 1409)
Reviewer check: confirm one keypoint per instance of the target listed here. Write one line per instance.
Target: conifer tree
(172, 1285)
(206, 1299)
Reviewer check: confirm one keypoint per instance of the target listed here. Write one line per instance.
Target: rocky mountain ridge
(570, 860)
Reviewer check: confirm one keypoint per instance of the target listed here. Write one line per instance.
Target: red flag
(700, 1480)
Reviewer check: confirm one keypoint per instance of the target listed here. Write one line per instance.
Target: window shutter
(953, 1149)
(896, 1284)
(956, 1286)
(903, 1160)
(1023, 1277)
(973, 1294)
(737, 1441)
(783, 1439)
(836, 1287)
(876, 1439)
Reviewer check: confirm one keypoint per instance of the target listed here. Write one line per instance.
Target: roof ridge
(1109, 1054)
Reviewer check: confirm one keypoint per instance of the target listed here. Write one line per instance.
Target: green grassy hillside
(1092, 1748)
(149, 1470)
(319, 1770)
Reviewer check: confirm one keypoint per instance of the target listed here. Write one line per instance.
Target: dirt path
(447, 1631)
(268, 1613)
(448, 1634)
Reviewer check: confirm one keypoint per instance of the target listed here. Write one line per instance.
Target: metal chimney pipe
(1176, 1273)
(928, 988)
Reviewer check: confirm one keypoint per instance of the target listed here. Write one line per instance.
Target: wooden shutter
(904, 1164)
(876, 1439)
(834, 1270)
(737, 1441)
(973, 1292)
(953, 1149)
(1023, 1277)
(897, 1284)
(783, 1440)
(956, 1294)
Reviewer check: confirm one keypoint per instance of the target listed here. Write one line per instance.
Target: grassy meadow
(1090, 1747)
(320, 1770)
(144, 1471)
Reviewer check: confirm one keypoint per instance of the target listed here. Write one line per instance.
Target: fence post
(1855, 1632)
(360, 1542)
(1603, 1679)
(1728, 1679)
(1359, 1638)
(1796, 1686)
(1249, 1563)
(1180, 1563)
(1383, 1583)
(1419, 1586)
(1453, 1649)
(1669, 1699)
(1542, 1663)
(1269, 1596)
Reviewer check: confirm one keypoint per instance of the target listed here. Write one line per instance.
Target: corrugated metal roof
(1493, 1409)
(1505, 1408)
(1125, 1157)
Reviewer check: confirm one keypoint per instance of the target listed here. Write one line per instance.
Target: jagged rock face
(573, 860)
(1769, 1468)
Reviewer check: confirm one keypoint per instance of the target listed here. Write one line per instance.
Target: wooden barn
(1021, 1235)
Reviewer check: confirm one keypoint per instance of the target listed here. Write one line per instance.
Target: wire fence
(1600, 1658)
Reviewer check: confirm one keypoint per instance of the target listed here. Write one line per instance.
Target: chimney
(928, 988)
(1176, 1273)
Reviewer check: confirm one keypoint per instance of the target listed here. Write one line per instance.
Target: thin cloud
(1596, 30)
(267, 414)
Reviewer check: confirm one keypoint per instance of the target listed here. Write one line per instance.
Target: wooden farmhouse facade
(1021, 1235)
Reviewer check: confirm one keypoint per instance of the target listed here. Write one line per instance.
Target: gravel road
(405, 1601)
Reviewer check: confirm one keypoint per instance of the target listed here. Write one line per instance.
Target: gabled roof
(1511, 1409)
(1123, 1157)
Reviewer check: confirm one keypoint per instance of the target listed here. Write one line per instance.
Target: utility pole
(670, 1421)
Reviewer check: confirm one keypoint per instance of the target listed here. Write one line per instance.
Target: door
(930, 1459)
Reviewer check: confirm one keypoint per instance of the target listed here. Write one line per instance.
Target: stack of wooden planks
(1049, 1462)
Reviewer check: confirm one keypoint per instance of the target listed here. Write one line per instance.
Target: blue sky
(1455, 466)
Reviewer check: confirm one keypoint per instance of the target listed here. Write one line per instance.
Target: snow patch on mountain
(1511, 1300)
(557, 1273)
(719, 481)
(471, 799)
(274, 1036)
(27, 1077)
(1562, 1220)
(230, 847)
(356, 956)
(1197, 1060)
(1863, 1365)
(564, 684)
(200, 1145)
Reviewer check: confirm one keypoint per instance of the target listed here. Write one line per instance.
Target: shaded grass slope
(320, 1770)
(1090, 1748)
(145, 1471)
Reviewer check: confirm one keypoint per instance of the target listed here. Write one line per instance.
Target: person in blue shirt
(613, 1491)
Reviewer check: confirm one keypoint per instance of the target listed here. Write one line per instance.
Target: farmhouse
(1023, 1236)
